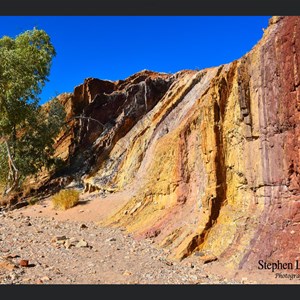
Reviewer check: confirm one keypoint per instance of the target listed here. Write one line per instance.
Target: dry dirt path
(68, 247)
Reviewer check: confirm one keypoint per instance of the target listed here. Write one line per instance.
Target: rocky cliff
(208, 160)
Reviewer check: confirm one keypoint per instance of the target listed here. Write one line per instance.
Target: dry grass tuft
(65, 199)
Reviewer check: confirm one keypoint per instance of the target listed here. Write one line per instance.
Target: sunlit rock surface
(209, 160)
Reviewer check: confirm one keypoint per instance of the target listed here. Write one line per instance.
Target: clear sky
(113, 48)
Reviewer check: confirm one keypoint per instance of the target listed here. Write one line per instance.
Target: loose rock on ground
(67, 252)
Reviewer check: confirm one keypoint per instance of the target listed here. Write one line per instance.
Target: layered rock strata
(208, 160)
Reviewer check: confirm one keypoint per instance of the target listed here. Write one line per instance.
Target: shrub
(33, 201)
(65, 199)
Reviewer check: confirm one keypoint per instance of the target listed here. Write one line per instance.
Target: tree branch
(10, 158)
(86, 118)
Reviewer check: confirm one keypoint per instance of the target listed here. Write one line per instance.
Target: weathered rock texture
(209, 160)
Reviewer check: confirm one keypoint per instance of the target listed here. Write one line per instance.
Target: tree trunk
(13, 175)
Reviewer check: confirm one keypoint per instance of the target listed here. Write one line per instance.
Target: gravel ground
(42, 250)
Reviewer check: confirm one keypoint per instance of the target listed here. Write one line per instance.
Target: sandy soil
(91, 208)
(69, 247)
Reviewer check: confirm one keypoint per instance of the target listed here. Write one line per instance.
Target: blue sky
(113, 48)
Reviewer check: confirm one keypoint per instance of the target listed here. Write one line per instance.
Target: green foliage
(27, 131)
(25, 65)
(65, 199)
(34, 147)
(3, 165)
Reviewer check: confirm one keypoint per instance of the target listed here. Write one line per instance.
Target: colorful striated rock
(208, 160)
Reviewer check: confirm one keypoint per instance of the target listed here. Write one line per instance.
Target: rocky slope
(208, 160)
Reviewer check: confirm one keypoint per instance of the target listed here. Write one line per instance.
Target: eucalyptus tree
(27, 130)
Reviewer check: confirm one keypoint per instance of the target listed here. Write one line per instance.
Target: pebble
(81, 243)
(110, 239)
(6, 265)
(59, 238)
(127, 273)
(45, 278)
(24, 263)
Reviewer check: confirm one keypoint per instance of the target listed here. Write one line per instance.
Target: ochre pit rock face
(208, 160)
